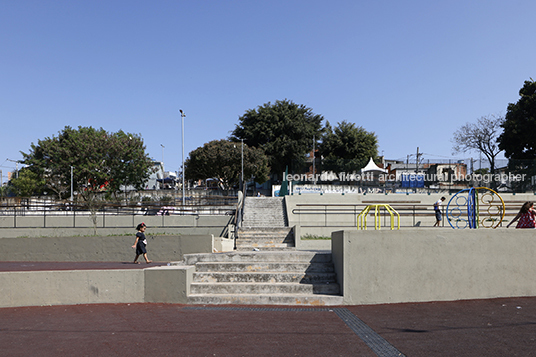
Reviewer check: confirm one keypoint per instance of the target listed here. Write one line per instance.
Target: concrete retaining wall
(416, 265)
(103, 249)
(37, 288)
(166, 284)
(320, 224)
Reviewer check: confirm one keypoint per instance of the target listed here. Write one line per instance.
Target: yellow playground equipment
(362, 216)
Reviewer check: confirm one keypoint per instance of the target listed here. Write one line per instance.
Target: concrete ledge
(36, 288)
(70, 287)
(417, 265)
(169, 284)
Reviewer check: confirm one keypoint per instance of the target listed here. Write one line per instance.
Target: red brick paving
(170, 330)
(40, 266)
(494, 327)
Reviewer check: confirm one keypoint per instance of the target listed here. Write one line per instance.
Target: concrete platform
(496, 327)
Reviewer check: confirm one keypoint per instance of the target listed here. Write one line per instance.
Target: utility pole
(17, 167)
(417, 160)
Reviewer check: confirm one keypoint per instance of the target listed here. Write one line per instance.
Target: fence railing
(347, 215)
(73, 216)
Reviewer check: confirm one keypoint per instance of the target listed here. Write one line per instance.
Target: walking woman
(525, 216)
(141, 243)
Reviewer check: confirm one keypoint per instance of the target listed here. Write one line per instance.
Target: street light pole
(72, 197)
(162, 156)
(182, 123)
(242, 175)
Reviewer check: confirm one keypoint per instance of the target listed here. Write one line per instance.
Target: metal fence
(410, 215)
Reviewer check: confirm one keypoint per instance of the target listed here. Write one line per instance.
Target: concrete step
(265, 248)
(264, 267)
(264, 212)
(275, 278)
(266, 239)
(263, 277)
(264, 232)
(264, 288)
(268, 299)
(287, 257)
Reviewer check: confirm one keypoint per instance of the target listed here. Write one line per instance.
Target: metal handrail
(413, 210)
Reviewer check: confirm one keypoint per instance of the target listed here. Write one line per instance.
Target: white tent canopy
(372, 167)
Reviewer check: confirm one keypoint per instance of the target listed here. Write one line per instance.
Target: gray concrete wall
(161, 248)
(37, 288)
(168, 284)
(321, 224)
(416, 265)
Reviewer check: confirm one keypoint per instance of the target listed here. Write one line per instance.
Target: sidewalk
(496, 327)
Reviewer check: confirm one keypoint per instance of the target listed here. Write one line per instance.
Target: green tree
(284, 130)
(347, 148)
(480, 136)
(102, 161)
(27, 184)
(222, 159)
(518, 140)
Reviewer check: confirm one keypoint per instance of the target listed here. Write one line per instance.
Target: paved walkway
(498, 327)
(494, 327)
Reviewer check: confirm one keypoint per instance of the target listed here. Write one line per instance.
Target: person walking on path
(141, 243)
(526, 216)
(437, 210)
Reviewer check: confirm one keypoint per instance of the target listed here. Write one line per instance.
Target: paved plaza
(495, 327)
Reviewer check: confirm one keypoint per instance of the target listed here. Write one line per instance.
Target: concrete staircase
(265, 225)
(264, 278)
(264, 238)
(264, 212)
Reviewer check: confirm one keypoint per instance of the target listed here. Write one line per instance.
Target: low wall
(104, 249)
(417, 265)
(37, 288)
(316, 222)
(165, 284)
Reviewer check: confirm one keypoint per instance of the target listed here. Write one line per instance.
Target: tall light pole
(242, 175)
(72, 196)
(162, 156)
(182, 123)
(163, 170)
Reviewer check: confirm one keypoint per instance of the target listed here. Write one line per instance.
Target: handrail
(412, 212)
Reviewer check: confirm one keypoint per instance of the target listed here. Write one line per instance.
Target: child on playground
(526, 216)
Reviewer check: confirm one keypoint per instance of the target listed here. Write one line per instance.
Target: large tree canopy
(480, 136)
(518, 140)
(284, 130)
(347, 148)
(222, 159)
(100, 161)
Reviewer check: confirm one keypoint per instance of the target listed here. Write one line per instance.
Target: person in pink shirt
(525, 216)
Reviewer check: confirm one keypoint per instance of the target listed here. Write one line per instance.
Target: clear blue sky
(411, 71)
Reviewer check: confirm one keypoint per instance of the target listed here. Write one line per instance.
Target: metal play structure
(362, 216)
(477, 207)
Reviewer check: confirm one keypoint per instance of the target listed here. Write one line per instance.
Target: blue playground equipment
(476, 207)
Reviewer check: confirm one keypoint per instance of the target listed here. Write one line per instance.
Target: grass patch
(314, 237)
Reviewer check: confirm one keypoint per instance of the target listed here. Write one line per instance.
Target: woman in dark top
(141, 243)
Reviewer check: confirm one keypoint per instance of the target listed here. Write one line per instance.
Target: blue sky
(410, 71)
